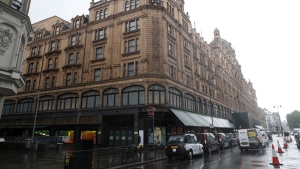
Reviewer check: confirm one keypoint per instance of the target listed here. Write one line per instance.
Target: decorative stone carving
(5, 40)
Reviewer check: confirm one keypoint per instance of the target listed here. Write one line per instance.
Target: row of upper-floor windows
(71, 78)
(130, 96)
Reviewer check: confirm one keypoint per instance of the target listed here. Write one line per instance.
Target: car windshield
(229, 135)
(267, 132)
(175, 139)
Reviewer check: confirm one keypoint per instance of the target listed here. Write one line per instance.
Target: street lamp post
(211, 77)
(279, 121)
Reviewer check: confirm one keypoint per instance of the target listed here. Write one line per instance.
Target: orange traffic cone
(279, 148)
(285, 144)
(275, 160)
(287, 139)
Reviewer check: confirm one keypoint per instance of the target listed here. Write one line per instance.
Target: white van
(251, 139)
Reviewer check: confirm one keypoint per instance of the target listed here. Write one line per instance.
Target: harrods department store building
(93, 77)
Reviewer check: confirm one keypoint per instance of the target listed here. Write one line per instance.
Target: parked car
(251, 139)
(184, 145)
(208, 141)
(232, 139)
(223, 141)
(269, 134)
(297, 138)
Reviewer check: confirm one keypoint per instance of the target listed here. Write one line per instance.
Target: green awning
(184, 118)
(200, 120)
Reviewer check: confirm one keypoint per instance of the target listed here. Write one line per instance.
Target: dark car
(223, 141)
(297, 134)
(232, 139)
(209, 142)
(269, 134)
(184, 145)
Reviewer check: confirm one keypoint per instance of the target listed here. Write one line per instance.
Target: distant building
(14, 27)
(97, 75)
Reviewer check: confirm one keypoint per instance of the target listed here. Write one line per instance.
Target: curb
(137, 163)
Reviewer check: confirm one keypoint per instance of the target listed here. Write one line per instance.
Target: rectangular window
(171, 71)
(71, 59)
(55, 63)
(68, 79)
(40, 51)
(33, 51)
(37, 67)
(79, 40)
(97, 75)
(97, 15)
(186, 60)
(50, 63)
(73, 40)
(130, 69)
(53, 81)
(101, 33)
(38, 36)
(33, 84)
(132, 46)
(47, 82)
(132, 25)
(77, 58)
(27, 85)
(52, 46)
(170, 29)
(75, 78)
(77, 23)
(30, 68)
(185, 43)
(58, 45)
(99, 53)
(57, 30)
(170, 49)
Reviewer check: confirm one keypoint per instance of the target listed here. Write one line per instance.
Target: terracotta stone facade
(136, 53)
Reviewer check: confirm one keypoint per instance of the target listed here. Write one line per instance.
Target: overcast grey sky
(264, 33)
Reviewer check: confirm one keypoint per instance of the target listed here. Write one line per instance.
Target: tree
(293, 119)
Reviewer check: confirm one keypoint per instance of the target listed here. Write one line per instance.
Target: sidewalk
(54, 159)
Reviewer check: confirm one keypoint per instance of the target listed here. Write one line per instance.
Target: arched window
(90, 99)
(221, 112)
(132, 4)
(111, 98)
(156, 94)
(209, 108)
(204, 108)
(101, 14)
(175, 97)
(105, 13)
(46, 103)
(8, 107)
(189, 102)
(67, 101)
(127, 6)
(25, 105)
(216, 110)
(133, 95)
(199, 106)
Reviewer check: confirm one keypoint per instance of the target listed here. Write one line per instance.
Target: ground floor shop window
(159, 135)
(67, 135)
(89, 135)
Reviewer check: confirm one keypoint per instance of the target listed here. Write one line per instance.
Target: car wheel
(202, 153)
(190, 155)
(170, 157)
